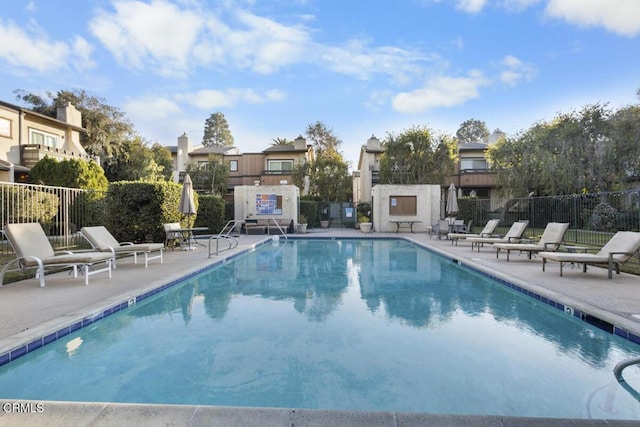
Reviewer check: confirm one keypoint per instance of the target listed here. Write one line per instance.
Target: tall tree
(323, 138)
(472, 130)
(216, 131)
(417, 156)
(328, 174)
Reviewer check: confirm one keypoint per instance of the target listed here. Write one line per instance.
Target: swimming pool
(378, 325)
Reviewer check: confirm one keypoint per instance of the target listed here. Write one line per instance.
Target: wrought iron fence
(61, 211)
(592, 218)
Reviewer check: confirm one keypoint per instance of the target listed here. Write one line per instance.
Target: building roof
(473, 146)
(286, 148)
(44, 116)
(6, 166)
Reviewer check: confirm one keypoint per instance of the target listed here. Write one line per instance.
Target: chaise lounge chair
(487, 231)
(618, 250)
(513, 235)
(33, 250)
(549, 241)
(103, 241)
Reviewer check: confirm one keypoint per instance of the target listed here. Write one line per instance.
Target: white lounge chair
(618, 250)
(103, 241)
(34, 251)
(487, 231)
(513, 235)
(549, 241)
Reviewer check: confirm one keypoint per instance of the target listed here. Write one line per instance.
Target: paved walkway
(28, 312)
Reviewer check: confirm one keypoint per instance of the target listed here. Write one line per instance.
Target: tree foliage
(135, 161)
(323, 138)
(589, 150)
(328, 174)
(216, 131)
(281, 141)
(417, 156)
(72, 173)
(211, 178)
(472, 130)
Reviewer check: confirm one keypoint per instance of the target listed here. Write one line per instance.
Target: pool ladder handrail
(284, 234)
(617, 371)
(225, 235)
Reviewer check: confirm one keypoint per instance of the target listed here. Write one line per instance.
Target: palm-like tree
(281, 141)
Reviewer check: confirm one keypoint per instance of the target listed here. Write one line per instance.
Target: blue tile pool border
(25, 349)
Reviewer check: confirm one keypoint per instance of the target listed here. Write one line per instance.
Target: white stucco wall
(245, 201)
(427, 206)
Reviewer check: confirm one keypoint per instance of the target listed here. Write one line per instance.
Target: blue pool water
(379, 325)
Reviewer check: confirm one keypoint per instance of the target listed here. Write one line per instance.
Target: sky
(363, 68)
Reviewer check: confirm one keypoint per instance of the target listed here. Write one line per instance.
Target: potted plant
(365, 223)
(302, 224)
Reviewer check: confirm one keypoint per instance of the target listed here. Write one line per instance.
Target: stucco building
(27, 137)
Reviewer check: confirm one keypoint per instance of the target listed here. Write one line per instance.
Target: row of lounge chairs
(34, 251)
(618, 250)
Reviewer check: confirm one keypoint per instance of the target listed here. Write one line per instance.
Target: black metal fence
(592, 218)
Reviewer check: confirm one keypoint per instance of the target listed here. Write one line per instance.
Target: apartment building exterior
(471, 176)
(27, 137)
(272, 166)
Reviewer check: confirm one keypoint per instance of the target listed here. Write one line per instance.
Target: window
(476, 163)
(233, 165)
(403, 205)
(43, 138)
(280, 166)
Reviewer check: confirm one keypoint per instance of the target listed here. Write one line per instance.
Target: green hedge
(137, 210)
(309, 208)
(211, 213)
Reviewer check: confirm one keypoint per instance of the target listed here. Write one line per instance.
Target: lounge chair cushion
(102, 240)
(30, 242)
(549, 241)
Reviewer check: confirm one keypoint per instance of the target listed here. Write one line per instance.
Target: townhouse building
(27, 137)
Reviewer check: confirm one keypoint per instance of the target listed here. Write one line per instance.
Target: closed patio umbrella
(187, 205)
(452, 200)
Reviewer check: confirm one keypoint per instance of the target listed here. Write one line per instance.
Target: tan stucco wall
(245, 201)
(427, 203)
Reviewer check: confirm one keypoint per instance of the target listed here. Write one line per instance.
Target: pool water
(380, 325)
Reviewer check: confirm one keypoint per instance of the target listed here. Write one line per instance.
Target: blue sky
(362, 67)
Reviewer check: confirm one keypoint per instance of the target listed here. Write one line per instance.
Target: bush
(603, 217)
(211, 213)
(137, 210)
(309, 208)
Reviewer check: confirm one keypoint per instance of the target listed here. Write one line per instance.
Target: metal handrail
(618, 373)
(231, 241)
(279, 228)
(231, 225)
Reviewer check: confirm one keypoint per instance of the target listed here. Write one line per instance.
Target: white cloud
(209, 99)
(33, 50)
(619, 16)
(152, 108)
(158, 32)
(440, 91)
(515, 71)
(471, 6)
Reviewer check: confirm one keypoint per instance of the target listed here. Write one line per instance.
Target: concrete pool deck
(28, 312)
